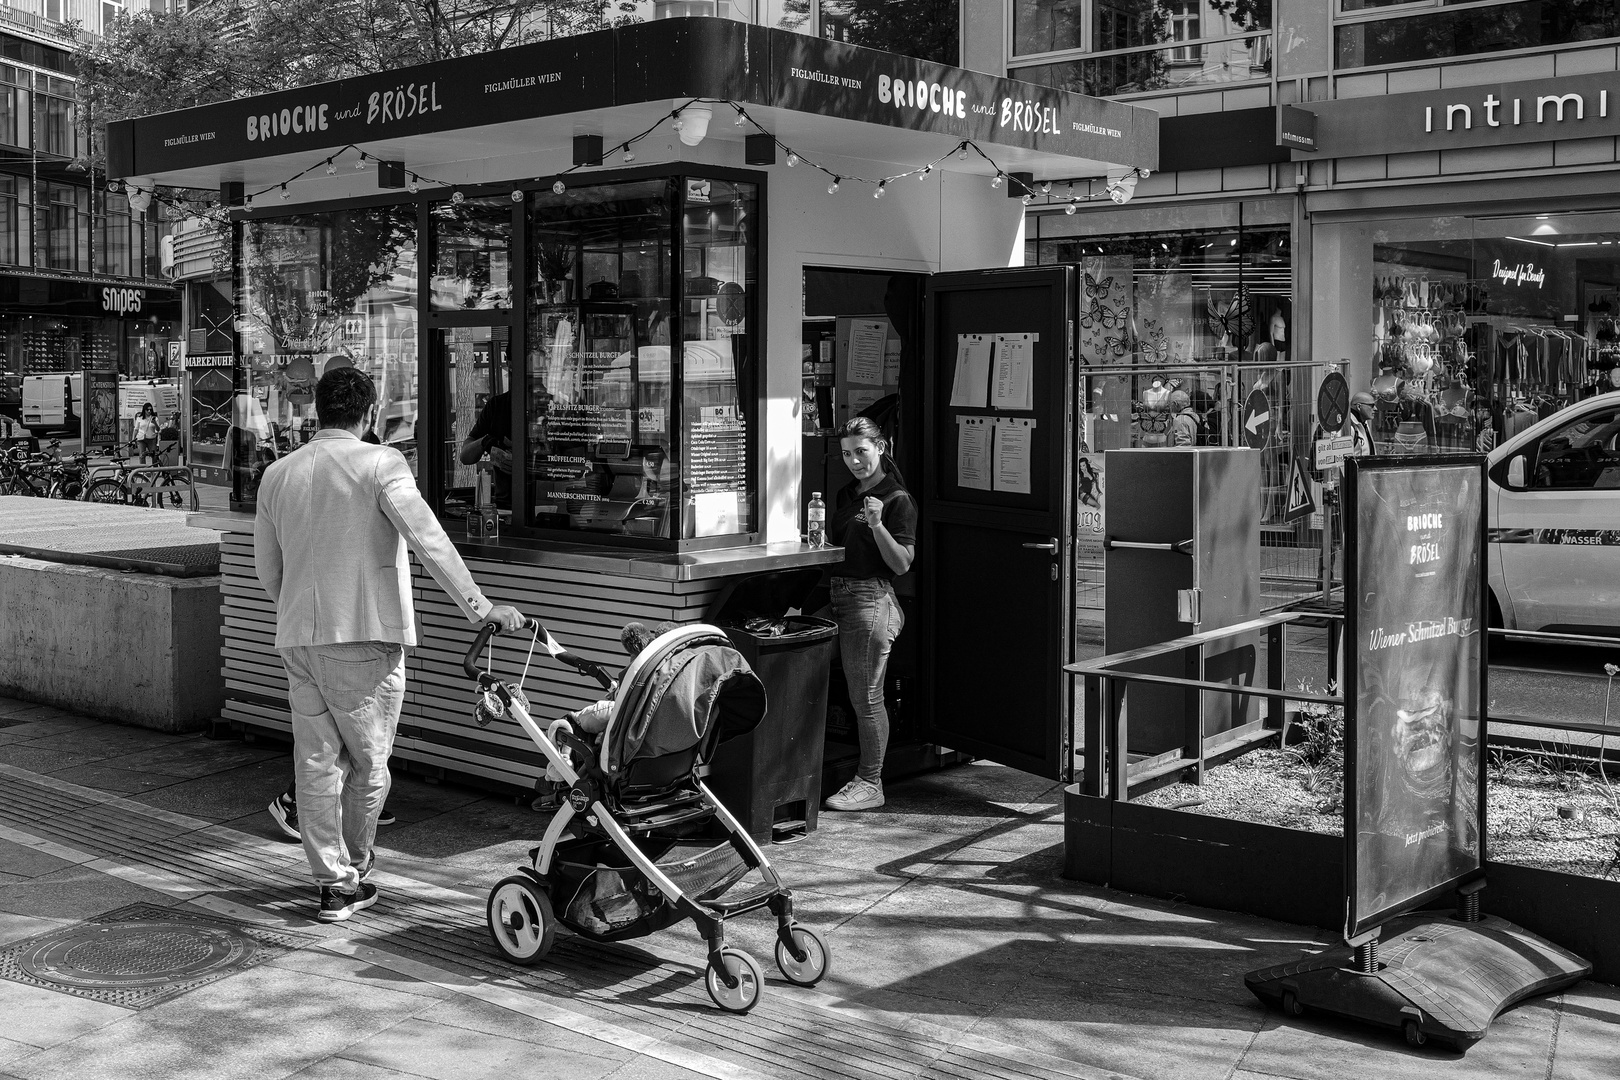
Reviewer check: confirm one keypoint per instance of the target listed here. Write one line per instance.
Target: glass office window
(320, 291)
(1405, 36)
(16, 213)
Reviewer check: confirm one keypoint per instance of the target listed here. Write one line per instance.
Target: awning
(503, 115)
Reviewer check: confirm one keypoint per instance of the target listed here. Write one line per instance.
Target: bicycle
(22, 473)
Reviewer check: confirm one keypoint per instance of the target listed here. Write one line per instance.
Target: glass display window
(1467, 329)
(318, 291)
(472, 254)
(642, 387)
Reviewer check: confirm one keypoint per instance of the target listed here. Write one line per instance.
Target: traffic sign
(1257, 420)
(1332, 401)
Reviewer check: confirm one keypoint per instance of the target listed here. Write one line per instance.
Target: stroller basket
(615, 901)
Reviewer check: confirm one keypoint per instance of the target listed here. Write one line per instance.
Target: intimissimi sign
(1497, 114)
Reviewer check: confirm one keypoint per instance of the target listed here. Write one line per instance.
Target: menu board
(1414, 696)
(717, 469)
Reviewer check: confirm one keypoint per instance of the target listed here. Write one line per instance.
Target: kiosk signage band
(1415, 690)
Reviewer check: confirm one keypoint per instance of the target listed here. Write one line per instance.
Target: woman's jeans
(869, 620)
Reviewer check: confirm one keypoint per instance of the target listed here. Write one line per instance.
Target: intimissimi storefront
(1466, 262)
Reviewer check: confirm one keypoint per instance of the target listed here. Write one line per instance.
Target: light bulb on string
(285, 194)
(741, 116)
(792, 159)
(411, 185)
(247, 202)
(883, 186)
(361, 163)
(1071, 208)
(961, 152)
(832, 188)
(924, 174)
(558, 187)
(1026, 198)
(331, 167)
(517, 194)
(996, 182)
(1046, 187)
(457, 198)
(629, 154)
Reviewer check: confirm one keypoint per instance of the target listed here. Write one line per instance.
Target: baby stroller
(640, 842)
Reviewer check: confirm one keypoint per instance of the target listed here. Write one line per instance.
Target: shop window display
(642, 383)
(1477, 327)
(321, 291)
(1203, 313)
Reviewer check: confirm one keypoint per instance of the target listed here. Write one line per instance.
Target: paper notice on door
(970, 387)
(1014, 372)
(891, 362)
(866, 351)
(974, 435)
(1014, 436)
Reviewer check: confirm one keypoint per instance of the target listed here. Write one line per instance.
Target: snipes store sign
(1496, 114)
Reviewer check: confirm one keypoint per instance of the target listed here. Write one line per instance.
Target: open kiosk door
(998, 390)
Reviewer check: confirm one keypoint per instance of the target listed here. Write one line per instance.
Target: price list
(717, 451)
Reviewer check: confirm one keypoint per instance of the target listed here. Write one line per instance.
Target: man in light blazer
(329, 543)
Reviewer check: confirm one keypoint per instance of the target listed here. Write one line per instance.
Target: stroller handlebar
(469, 663)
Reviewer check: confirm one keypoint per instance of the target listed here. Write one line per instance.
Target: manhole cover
(140, 955)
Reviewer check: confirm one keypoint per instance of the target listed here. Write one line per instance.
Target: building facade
(81, 280)
(1422, 193)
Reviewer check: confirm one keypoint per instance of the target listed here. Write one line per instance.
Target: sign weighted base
(1437, 978)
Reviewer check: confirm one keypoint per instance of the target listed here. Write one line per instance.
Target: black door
(998, 391)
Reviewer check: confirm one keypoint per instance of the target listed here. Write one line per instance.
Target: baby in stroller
(640, 842)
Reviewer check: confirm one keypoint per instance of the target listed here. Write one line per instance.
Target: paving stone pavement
(958, 950)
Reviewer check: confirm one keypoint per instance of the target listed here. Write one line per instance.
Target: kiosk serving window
(642, 378)
(321, 291)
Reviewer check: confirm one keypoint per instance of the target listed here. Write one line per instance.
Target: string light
(963, 151)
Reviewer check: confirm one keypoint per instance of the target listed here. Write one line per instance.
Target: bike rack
(148, 478)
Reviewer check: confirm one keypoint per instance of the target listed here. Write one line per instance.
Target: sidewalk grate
(140, 955)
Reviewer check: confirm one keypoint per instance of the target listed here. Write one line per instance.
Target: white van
(52, 402)
(1554, 514)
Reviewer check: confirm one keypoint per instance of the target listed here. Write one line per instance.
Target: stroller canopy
(688, 688)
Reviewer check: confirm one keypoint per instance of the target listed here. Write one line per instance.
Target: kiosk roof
(496, 116)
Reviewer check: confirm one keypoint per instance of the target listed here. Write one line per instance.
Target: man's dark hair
(343, 396)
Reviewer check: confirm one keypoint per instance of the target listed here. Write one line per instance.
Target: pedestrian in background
(334, 520)
(146, 433)
(1184, 420)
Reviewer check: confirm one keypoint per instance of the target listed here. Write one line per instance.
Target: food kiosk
(581, 265)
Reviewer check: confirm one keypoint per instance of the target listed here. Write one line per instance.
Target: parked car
(1554, 516)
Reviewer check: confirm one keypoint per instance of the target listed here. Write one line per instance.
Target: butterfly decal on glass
(1099, 315)
(1232, 321)
(1153, 345)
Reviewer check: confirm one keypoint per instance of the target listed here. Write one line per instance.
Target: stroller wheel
(521, 920)
(744, 971)
(816, 963)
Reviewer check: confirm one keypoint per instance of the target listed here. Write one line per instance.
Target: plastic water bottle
(818, 520)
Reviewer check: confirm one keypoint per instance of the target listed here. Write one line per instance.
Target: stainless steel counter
(591, 558)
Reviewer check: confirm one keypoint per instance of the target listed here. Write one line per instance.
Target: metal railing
(1109, 772)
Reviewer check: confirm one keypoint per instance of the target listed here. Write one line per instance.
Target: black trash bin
(771, 778)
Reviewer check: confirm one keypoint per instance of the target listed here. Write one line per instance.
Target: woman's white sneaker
(858, 794)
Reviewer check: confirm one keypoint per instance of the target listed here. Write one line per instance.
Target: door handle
(1050, 547)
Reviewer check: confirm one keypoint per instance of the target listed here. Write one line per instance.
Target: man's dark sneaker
(385, 816)
(369, 866)
(285, 811)
(338, 906)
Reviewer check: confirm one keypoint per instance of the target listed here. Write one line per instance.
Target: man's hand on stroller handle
(508, 618)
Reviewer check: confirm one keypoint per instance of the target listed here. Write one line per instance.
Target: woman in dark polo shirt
(875, 521)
